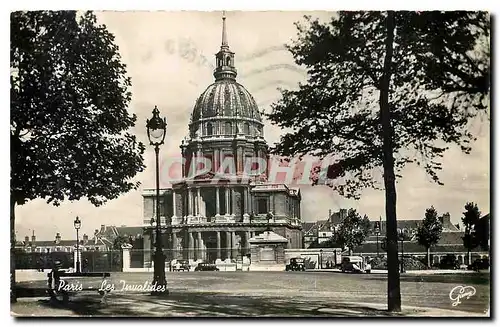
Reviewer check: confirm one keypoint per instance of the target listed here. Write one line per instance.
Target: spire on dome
(224, 34)
(224, 68)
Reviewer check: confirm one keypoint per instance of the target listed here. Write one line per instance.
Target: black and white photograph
(250, 164)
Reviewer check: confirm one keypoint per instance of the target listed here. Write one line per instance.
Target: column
(193, 165)
(199, 245)
(239, 160)
(234, 247)
(198, 201)
(233, 202)
(216, 160)
(174, 204)
(190, 203)
(228, 245)
(226, 190)
(217, 201)
(218, 245)
(247, 244)
(245, 200)
(198, 159)
(174, 245)
(191, 246)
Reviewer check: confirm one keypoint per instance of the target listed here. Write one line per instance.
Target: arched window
(210, 129)
(228, 61)
(228, 128)
(246, 129)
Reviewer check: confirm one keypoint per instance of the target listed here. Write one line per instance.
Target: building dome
(226, 98)
(225, 109)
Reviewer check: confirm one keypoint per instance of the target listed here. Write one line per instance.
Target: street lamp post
(77, 223)
(377, 232)
(156, 128)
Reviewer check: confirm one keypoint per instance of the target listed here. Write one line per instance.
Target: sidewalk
(210, 305)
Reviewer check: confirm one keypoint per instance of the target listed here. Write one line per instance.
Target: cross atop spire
(224, 34)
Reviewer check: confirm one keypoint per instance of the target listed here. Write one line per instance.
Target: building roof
(63, 243)
(129, 230)
(306, 226)
(226, 98)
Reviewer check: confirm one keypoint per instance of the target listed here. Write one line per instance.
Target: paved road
(262, 293)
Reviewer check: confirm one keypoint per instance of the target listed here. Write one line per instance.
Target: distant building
(450, 242)
(59, 245)
(108, 235)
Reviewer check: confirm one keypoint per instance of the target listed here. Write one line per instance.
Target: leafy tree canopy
(429, 232)
(69, 120)
(470, 220)
(439, 82)
(352, 231)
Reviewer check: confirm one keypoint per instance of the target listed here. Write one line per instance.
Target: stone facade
(224, 197)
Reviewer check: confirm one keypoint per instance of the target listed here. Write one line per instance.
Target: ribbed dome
(226, 98)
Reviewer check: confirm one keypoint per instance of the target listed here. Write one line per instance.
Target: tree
(69, 122)
(385, 89)
(352, 231)
(482, 229)
(470, 220)
(121, 240)
(429, 232)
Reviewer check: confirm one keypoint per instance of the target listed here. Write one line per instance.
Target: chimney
(329, 214)
(33, 238)
(103, 228)
(26, 240)
(446, 219)
(85, 238)
(58, 238)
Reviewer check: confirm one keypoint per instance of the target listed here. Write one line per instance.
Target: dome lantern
(224, 59)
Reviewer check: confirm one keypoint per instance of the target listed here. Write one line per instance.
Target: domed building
(224, 198)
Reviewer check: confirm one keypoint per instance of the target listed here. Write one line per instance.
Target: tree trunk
(393, 285)
(13, 297)
(428, 257)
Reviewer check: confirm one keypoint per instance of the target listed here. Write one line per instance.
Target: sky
(170, 58)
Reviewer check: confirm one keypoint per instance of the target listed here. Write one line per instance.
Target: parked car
(296, 264)
(353, 264)
(206, 267)
(479, 264)
(449, 261)
(181, 265)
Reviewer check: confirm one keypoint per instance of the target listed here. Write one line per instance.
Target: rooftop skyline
(170, 58)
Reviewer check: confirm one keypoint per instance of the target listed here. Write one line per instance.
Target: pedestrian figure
(85, 267)
(56, 288)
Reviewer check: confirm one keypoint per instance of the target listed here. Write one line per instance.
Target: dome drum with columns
(212, 215)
